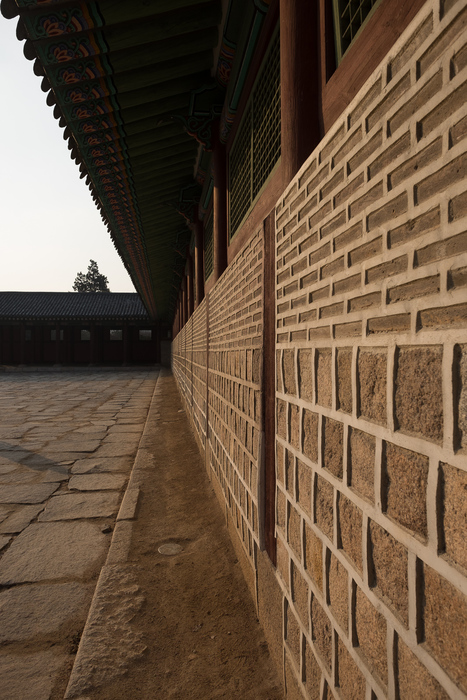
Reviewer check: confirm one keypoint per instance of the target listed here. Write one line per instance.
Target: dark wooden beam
(144, 96)
(130, 33)
(158, 73)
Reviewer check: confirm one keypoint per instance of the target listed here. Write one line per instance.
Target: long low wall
(371, 388)
(227, 339)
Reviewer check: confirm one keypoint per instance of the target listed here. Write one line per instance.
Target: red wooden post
(22, 343)
(189, 285)
(126, 343)
(184, 302)
(57, 344)
(219, 204)
(199, 262)
(300, 83)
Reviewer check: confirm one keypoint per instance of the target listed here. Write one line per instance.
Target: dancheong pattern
(95, 68)
(64, 21)
(83, 88)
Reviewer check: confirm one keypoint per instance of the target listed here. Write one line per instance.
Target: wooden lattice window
(208, 248)
(349, 18)
(257, 146)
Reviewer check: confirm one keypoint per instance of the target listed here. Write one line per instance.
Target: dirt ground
(193, 611)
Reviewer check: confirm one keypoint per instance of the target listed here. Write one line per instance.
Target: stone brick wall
(371, 377)
(182, 355)
(189, 364)
(229, 338)
(199, 371)
(371, 371)
(235, 382)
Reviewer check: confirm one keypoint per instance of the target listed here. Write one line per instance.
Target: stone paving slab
(116, 450)
(102, 464)
(17, 478)
(76, 445)
(97, 482)
(53, 459)
(76, 506)
(30, 677)
(9, 458)
(59, 474)
(7, 467)
(130, 439)
(4, 540)
(31, 493)
(44, 609)
(4, 512)
(20, 519)
(126, 428)
(46, 551)
(94, 430)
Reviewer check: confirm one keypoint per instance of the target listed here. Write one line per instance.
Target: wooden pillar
(189, 285)
(183, 301)
(92, 343)
(219, 204)
(41, 347)
(12, 344)
(199, 262)
(157, 334)
(126, 343)
(70, 344)
(57, 344)
(22, 343)
(300, 83)
(38, 344)
(268, 393)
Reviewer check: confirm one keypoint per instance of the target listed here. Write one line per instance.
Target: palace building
(69, 328)
(285, 182)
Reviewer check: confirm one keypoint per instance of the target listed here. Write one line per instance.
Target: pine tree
(92, 281)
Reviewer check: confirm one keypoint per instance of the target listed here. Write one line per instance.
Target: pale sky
(49, 225)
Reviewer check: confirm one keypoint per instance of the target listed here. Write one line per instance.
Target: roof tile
(57, 306)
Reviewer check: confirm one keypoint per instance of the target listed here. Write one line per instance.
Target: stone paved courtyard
(67, 445)
(117, 575)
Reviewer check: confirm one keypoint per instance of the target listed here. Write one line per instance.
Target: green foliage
(92, 281)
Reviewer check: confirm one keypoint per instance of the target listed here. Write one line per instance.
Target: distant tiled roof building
(66, 306)
(97, 328)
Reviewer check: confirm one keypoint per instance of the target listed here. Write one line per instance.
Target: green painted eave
(120, 76)
(135, 85)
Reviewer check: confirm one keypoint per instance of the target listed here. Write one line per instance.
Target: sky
(49, 226)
